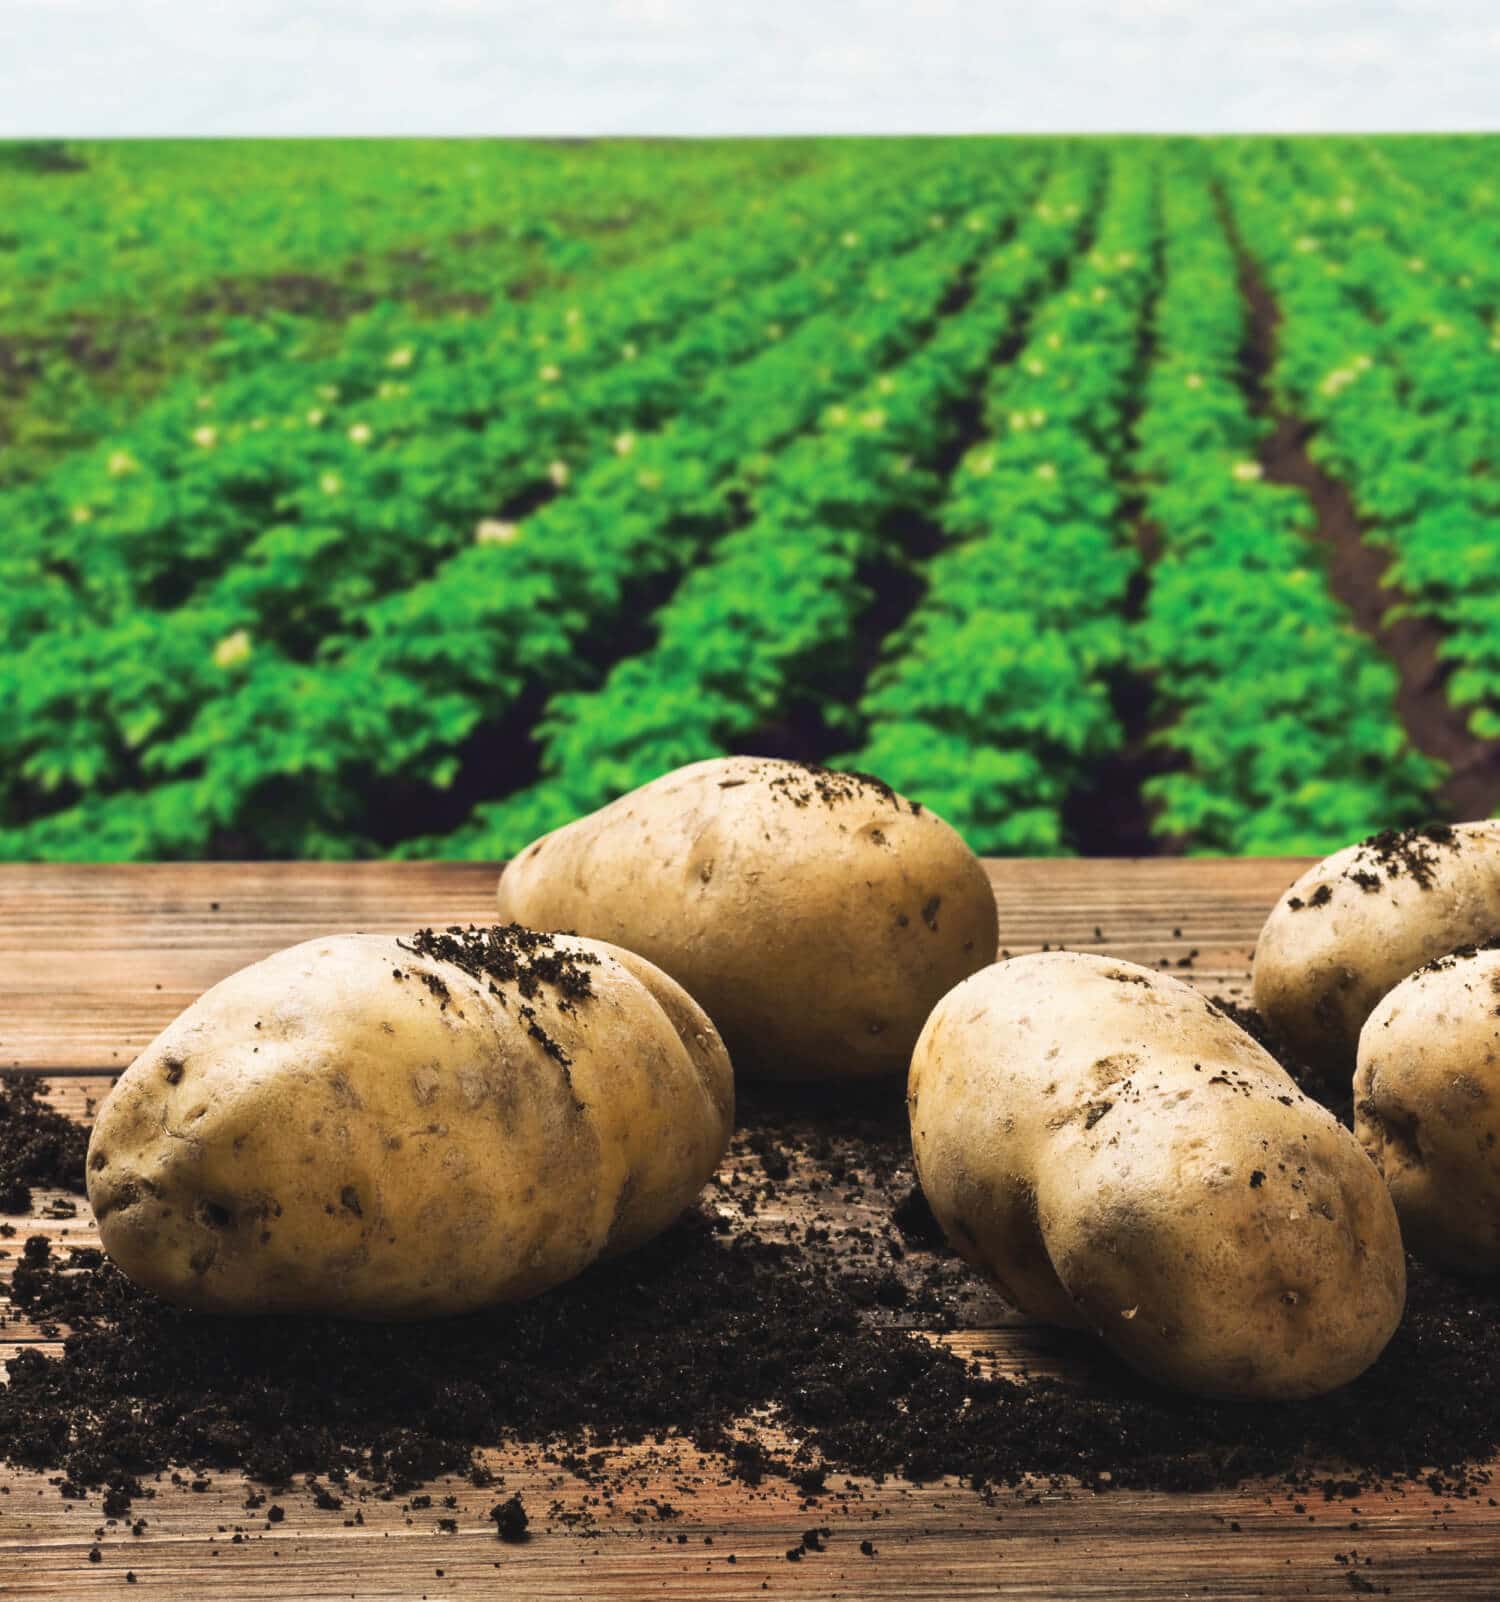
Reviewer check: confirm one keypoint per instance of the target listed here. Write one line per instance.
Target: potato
(1427, 1107)
(1360, 922)
(816, 915)
(1120, 1157)
(388, 1129)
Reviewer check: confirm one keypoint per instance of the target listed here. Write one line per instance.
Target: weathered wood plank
(94, 961)
(931, 1542)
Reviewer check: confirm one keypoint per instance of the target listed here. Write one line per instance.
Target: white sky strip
(684, 67)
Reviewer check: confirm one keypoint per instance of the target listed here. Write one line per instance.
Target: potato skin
(1427, 1108)
(1121, 1157)
(816, 916)
(1359, 922)
(352, 1128)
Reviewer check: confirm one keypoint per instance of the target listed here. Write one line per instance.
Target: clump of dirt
(1403, 853)
(807, 782)
(1459, 954)
(38, 1145)
(1387, 857)
(511, 954)
(510, 1519)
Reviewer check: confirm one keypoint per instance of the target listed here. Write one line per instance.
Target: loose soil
(796, 1291)
(38, 1146)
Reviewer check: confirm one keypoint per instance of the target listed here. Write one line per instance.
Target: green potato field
(1107, 496)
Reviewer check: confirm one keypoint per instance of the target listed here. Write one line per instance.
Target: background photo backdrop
(1108, 495)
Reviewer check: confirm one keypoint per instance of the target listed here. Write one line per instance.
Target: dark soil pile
(792, 1289)
(38, 1145)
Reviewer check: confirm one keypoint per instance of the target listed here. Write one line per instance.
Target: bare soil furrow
(1356, 575)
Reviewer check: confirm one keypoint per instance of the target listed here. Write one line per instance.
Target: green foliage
(993, 702)
(1279, 713)
(770, 618)
(567, 465)
(1391, 345)
(121, 262)
(320, 529)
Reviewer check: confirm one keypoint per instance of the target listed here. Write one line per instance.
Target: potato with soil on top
(1119, 1156)
(1363, 919)
(1427, 1107)
(381, 1128)
(816, 915)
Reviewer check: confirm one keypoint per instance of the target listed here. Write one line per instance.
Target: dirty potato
(1363, 919)
(393, 1129)
(1427, 1107)
(1119, 1156)
(816, 915)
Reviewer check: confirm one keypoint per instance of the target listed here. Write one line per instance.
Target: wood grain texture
(83, 952)
(94, 961)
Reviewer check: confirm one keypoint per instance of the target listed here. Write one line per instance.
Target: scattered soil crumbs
(38, 1145)
(795, 1290)
(1459, 954)
(807, 782)
(1386, 858)
(510, 954)
(1339, 1099)
(1402, 853)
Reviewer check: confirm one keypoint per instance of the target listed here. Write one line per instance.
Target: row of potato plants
(196, 235)
(1438, 216)
(159, 221)
(1446, 192)
(411, 420)
(1401, 376)
(183, 499)
(1280, 713)
(993, 701)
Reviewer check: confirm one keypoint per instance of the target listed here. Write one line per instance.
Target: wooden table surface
(93, 961)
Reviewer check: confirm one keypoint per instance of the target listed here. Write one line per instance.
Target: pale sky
(199, 67)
